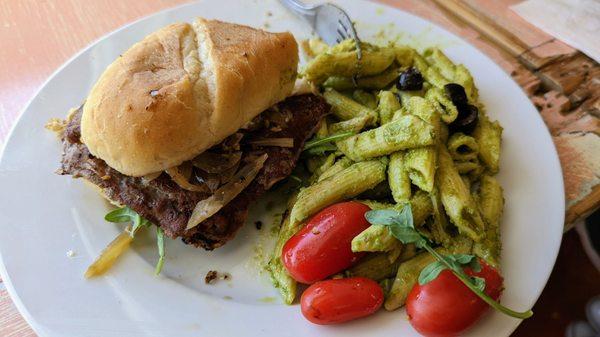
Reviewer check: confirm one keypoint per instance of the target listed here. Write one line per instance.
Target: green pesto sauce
(267, 299)
(276, 224)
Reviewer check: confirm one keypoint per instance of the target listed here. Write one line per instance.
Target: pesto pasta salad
(398, 204)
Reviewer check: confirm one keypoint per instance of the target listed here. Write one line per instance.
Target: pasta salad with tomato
(399, 206)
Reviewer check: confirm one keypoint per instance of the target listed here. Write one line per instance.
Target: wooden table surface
(39, 35)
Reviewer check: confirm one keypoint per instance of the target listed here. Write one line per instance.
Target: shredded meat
(169, 206)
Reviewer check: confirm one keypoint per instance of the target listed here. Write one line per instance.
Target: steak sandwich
(192, 124)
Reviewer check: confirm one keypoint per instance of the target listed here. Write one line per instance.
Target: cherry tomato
(341, 300)
(446, 307)
(323, 247)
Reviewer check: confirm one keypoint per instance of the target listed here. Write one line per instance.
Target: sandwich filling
(169, 204)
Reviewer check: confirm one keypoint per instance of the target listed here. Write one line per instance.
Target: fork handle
(299, 7)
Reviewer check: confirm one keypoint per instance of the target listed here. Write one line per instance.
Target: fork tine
(329, 21)
(345, 34)
(346, 23)
(343, 26)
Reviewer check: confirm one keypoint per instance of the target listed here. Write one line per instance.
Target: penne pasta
(439, 61)
(379, 238)
(488, 136)
(456, 198)
(347, 64)
(421, 166)
(326, 165)
(345, 184)
(491, 203)
(346, 108)
(404, 133)
(387, 106)
(398, 177)
(404, 55)
(376, 267)
(440, 227)
(463, 77)
(365, 98)
(340, 165)
(462, 147)
(374, 82)
(406, 277)
(279, 276)
(442, 104)
(354, 125)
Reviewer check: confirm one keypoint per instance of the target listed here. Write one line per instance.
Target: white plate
(44, 215)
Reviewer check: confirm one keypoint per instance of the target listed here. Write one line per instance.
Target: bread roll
(182, 90)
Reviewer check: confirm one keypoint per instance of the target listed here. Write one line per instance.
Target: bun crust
(182, 90)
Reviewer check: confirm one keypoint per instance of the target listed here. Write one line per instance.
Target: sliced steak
(169, 206)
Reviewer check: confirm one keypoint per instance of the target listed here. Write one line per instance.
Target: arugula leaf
(431, 272)
(406, 212)
(408, 235)
(385, 217)
(126, 214)
(477, 287)
(320, 146)
(479, 283)
(402, 228)
(400, 224)
(475, 265)
(456, 262)
(320, 141)
(321, 149)
(137, 224)
(462, 258)
(160, 242)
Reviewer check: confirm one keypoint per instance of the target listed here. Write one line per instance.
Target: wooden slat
(538, 42)
(500, 13)
(586, 124)
(553, 49)
(584, 207)
(503, 39)
(578, 151)
(12, 323)
(541, 48)
(567, 75)
(480, 16)
(428, 10)
(526, 79)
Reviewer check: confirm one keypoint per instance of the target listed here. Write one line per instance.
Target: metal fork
(329, 21)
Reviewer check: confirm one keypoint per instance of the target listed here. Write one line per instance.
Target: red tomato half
(341, 300)
(323, 247)
(445, 306)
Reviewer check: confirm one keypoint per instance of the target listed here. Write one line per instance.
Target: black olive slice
(468, 115)
(457, 93)
(410, 79)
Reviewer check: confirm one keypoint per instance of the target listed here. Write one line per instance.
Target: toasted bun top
(182, 90)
